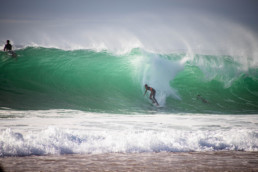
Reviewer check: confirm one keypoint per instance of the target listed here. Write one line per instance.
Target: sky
(124, 24)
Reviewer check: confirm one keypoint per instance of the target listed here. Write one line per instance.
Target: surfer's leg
(152, 98)
(155, 98)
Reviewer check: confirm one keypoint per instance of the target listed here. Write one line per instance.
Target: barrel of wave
(157, 71)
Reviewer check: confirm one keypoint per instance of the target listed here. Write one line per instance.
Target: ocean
(55, 102)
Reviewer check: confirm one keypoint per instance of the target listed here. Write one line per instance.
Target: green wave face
(44, 78)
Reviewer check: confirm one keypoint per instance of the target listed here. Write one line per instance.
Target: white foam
(67, 131)
(64, 141)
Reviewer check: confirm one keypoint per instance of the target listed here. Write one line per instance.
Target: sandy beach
(163, 161)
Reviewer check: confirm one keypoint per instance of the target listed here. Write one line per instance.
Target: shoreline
(161, 161)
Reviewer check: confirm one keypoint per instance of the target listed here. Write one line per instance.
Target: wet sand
(163, 161)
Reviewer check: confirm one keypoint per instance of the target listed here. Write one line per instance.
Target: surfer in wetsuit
(8, 46)
(153, 93)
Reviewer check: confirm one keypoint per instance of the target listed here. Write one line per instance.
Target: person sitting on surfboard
(153, 93)
(8, 46)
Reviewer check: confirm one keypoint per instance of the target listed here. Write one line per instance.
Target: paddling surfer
(201, 98)
(152, 95)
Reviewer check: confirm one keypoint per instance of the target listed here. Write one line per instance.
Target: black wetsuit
(8, 47)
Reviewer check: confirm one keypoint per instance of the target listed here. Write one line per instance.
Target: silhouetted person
(152, 95)
(8, 46)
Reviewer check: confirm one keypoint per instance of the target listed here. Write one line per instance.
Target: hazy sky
(244, 11)
(139, 21)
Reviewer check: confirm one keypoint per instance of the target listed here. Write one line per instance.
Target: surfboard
(155, 104)
(12, 53)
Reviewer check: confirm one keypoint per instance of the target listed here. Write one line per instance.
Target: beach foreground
(163, 161)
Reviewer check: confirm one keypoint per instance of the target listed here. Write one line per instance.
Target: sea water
(56, 101)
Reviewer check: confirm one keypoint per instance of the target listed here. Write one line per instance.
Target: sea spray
(158, 72)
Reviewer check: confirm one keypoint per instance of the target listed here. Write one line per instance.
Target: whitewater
(56, 101)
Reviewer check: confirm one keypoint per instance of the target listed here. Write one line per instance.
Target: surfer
(152, 95)
(201, 98)
(8, 46)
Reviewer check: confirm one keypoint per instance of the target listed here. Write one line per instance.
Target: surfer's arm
(145, 92)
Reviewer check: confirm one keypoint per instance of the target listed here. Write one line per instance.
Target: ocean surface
(55, 101)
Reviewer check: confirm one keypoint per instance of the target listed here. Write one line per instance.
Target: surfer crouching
(152, 95)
